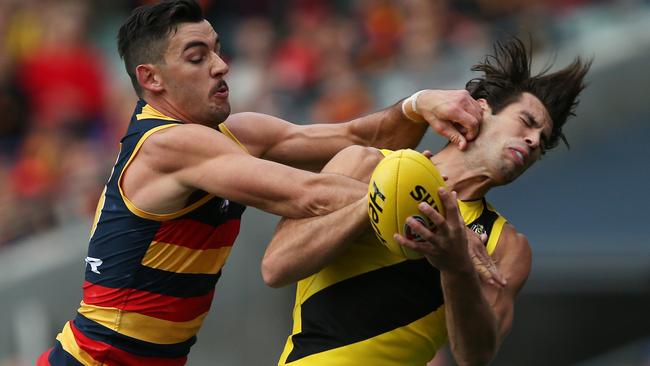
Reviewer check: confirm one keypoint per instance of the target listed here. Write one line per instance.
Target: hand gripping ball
(398, 184)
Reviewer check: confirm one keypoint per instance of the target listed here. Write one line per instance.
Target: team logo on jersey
(411, 234)
(224, 206)
(94, 264)
(478, 228)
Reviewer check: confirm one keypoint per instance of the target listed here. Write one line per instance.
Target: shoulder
(513, 242)
(362, 154)
(514, 239)
(515, 253)
(355, 161)
(182, 137)
(172, 148)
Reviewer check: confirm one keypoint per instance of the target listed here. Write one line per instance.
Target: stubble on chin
(218, 113)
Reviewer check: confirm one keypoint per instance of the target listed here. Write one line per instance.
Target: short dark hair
(507, 74)
(143, 38)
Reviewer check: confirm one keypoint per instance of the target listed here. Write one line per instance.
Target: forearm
(303, 247)
(388, 129)
(471, 322)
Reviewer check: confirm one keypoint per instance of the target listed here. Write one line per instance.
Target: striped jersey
(371, 307)
(149, 278)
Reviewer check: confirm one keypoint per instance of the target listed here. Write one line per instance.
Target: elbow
(272, 273)
(319, 207)
(326, 193)
(316, 199)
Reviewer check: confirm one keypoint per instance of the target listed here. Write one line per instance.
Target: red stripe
(176, 309)
(43, 359)
(197, 235)
(110, 355)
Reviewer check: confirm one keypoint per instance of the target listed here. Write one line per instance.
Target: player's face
(513, 140)
(193, 74)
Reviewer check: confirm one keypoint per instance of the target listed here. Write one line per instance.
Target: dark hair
(143, 37)
(507, 76)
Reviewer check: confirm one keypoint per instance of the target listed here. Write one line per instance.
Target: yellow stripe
(495, 234)
(179, 259)
(149, 112)
(142, 327)
(470, 210)
(102, 198)
(142, 213)
(224, 129)
(297, 326)
(66, 338)
(98, 212)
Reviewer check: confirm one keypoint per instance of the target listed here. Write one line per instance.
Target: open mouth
(519, 157)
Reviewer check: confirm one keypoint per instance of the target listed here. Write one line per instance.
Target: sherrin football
(402, 180)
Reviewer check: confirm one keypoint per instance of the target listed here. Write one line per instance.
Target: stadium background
(65, 101)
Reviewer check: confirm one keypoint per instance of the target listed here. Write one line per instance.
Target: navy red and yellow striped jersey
(149, 278)
(371, 307)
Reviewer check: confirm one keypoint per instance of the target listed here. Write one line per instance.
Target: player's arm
(478, 315)
(302, 247)
(177, 161)
(513, 257)
(311, 146)
(472, 343)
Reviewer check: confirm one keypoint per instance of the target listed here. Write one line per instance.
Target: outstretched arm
(478, 316)
(175, 162)
(302, 247)
(310, 146)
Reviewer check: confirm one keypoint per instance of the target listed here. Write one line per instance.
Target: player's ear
(149, 78)
(484, 105)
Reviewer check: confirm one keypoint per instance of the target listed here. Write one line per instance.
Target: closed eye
(197, 59)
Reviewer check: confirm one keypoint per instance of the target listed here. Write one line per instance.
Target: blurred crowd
(65, 99)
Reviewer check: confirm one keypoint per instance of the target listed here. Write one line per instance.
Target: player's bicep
(303, 146)
(257, 132)
(197, 157)
(263, 184)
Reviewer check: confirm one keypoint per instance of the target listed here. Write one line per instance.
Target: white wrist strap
(413, 101)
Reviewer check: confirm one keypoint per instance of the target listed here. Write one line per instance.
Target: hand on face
(454, 114)
(511, 140)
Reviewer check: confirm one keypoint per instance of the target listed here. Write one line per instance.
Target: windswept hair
(507, 74)
(143, 38)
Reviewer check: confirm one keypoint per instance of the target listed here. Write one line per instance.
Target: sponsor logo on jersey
(94, 264)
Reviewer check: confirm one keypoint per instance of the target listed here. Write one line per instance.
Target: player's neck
(470, 181)
(163, 106)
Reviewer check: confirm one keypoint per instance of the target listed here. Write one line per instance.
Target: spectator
(63, 77)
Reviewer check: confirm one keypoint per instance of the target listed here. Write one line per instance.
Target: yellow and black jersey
(149, 278)
(370, 307)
